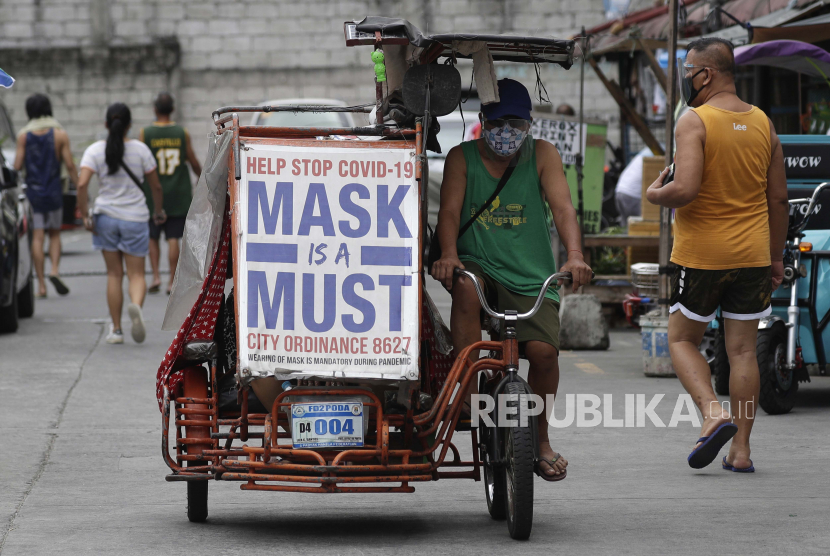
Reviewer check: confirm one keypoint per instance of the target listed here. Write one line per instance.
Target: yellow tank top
(727, 225)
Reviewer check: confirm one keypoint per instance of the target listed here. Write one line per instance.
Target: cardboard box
(637, 226)
(652, 166)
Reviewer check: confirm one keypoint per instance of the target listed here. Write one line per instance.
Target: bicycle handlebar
(565, 276)
(812, 205)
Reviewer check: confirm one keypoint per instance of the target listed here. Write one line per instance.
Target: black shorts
(173, 228)
(741, 293)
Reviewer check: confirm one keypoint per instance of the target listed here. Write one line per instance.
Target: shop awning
(792, 55)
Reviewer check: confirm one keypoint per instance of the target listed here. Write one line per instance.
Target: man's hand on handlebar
(580, 271)
(442, 270)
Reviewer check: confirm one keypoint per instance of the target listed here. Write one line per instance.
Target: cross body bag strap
(133, 176)
(499, 187)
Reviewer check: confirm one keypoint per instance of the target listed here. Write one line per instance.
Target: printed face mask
(504, 140)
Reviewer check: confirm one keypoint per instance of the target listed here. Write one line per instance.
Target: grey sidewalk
(87, 477)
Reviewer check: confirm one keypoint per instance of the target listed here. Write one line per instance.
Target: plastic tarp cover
(201, 232)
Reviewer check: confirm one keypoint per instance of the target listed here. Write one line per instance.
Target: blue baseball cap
(514, 101)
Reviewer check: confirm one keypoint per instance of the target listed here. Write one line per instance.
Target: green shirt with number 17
(168, 143)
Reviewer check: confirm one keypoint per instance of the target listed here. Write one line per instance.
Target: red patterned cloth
(201, 321)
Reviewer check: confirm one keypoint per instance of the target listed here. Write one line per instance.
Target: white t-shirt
(118, 195)
(631, 179)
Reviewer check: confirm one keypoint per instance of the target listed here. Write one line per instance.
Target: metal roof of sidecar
(510, 48)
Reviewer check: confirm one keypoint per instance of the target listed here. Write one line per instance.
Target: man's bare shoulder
(455, 160)
(690, 121)
(547, 154)
(61, 135)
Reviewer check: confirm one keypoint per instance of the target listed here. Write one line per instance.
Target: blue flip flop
(706, 453)
(750, 469)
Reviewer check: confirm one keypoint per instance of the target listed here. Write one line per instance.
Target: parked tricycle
(312, 359)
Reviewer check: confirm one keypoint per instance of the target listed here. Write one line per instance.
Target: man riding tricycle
(309, 356)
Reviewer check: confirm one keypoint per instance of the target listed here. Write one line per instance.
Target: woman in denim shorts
(119, 220)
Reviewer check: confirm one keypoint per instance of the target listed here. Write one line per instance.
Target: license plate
(327, 424)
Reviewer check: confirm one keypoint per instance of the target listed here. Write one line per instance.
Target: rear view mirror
(443, 83)
(9, 180)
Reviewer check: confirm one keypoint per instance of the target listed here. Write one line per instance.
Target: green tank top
(169, 147)
(511, 240)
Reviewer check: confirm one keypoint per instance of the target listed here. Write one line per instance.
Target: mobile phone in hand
(670, 176)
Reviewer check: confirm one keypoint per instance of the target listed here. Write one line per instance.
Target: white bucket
(656, 357)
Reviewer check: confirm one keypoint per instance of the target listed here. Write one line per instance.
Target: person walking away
(171, 147)
(42, 145)
(730, 196)
(508, 247)
(119, 220)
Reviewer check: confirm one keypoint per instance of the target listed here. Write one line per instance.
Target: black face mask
(692, 92)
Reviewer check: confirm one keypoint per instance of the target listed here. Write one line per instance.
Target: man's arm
(191, 156)
(558, 196)
(690, 135)
(453, 188)
(778, 207)
(66, 155)
(20, 152)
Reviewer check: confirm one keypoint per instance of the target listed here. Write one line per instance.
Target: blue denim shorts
(113, 234)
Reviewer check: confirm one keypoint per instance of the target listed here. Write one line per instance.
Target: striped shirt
(118, 195)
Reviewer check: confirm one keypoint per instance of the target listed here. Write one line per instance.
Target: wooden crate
(652, 166)
(639, 227)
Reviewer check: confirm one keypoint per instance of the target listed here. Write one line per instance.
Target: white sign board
(563, 134)
(328, 269)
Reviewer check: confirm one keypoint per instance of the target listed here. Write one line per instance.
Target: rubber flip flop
(154, 289)
(59, 285)
(726, 465)
(545, 476)
(706, 453)
(138, 331)
(750, 469)
(41, 296)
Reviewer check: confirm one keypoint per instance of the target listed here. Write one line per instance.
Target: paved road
(81, 473)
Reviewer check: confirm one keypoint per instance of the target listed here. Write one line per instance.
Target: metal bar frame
(327, 471)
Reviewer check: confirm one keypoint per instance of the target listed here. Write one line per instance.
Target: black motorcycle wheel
(778, 385)
(519, 459)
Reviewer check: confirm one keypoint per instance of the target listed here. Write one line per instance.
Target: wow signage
(328, 283)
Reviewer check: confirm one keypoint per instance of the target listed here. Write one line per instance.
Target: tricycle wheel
(519, 459)
(495, 489)
(720, 364)
(197, 499)
(778, 384)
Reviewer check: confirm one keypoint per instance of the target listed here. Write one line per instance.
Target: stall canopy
(792, 55)
(767, 18)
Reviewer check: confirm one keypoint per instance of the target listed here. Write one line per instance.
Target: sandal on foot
(706, 453)
(60, 286)
(154, 288)
(550, 478)
(750, 469)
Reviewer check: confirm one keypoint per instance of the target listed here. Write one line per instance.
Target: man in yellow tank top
(730, 196)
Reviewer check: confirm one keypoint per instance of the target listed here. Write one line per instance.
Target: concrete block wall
(242, 52)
